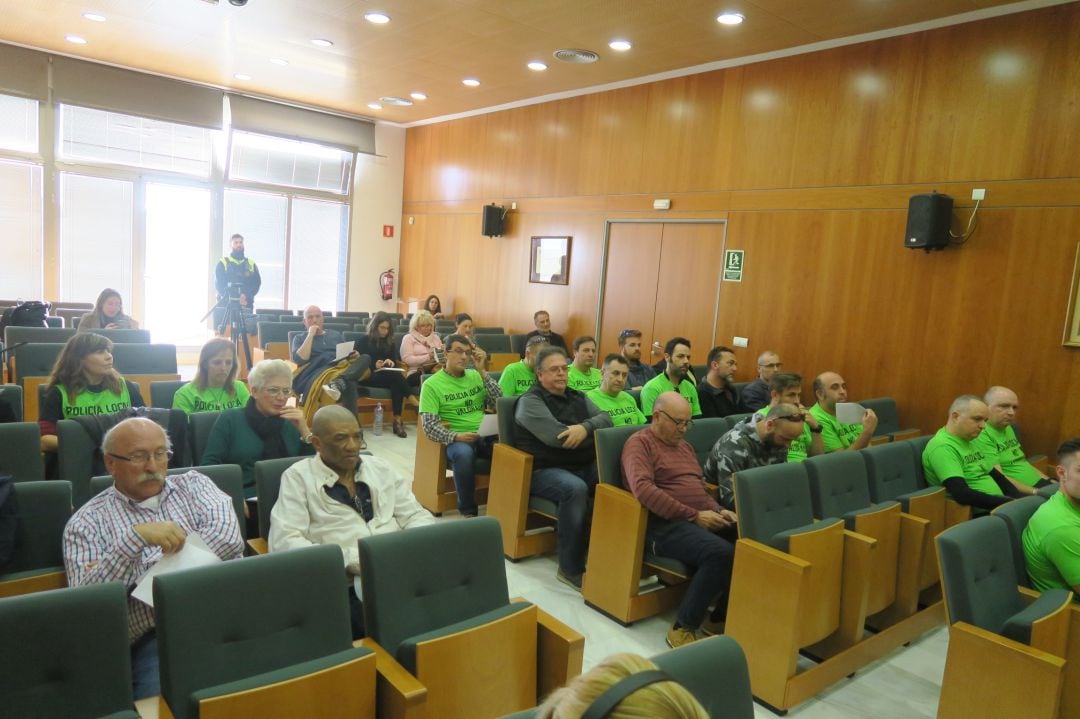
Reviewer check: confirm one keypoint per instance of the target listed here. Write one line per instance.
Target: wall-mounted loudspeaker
(928, 220)
(494, 221)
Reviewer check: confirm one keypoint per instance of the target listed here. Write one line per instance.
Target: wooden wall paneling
(1054, 149)
(417, 164)
(633, 265)
(686, 286)
(614, 141)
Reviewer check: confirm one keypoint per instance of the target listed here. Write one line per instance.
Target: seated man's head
(829, 389)
(967, 417)
(1068, 468)
(313, 316)
(137, 453)
(782, 425)
(533, 347)
(785, 387)
(551, 369)
(630, 344)
(614, 373)
(768, 364)
(458, 350)
(1003, 405)
(722, 365)
(677, 354)
(337, 438)
(670, 417)
(542, 320)
(463, 324)
(584, 353)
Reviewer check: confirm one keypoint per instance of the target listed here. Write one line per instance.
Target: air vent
(399, 101)
(576, 57)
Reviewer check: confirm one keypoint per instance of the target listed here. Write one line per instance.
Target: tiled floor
(903, 685)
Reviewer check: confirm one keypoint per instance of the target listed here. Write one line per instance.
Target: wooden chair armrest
(398, 693)
(955, 513)
(258, 545)
(616, 546)
(560, 652)
(1051, 632)
(36, 583)
(903, 434)
(508, 490)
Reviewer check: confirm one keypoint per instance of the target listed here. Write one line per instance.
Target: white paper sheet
(194, 554)
(389, 369)
(849, 412)
(344, 349)
(489, 425)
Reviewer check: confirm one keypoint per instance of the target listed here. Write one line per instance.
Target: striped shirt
(101, 545)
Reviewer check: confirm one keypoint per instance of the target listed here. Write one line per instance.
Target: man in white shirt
(338, 498)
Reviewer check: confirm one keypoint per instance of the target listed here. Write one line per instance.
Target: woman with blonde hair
(660, 698)
(418, 347)
(108, 314)
(215, 387)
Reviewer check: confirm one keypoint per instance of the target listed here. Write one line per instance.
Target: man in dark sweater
(542, 320)
(555, 425)
(685, 523)
(756, 394)
(716, 392)
(315, 350)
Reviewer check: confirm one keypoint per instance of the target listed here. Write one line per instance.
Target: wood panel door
(687, 284)
(633, 265)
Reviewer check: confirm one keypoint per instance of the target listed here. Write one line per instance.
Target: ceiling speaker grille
(399, 101)
(577, 57)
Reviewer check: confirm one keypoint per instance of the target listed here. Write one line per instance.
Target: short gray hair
(961, 403)
(262, 372)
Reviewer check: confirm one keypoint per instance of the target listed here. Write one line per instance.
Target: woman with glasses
(380, 346)
(215, 387)
(269, 426)
(418, 347)
(84, 383)
(108, 314)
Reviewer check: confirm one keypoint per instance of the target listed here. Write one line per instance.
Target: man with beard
(830, 389)
(630, 348)
(583, 375)
(122, 532)
(752, 444)
(238, 271)
(756, 394)
(1052, 537)
(674, 378)
(715, 390)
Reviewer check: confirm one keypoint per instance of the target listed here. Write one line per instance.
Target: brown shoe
(399, 428)
(678, 636)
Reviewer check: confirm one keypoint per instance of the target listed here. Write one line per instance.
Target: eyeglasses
(276, 392)
(680, 423)
(793, 417)
(143, 458)
(458, 351)
(557, 369)
(771, 365)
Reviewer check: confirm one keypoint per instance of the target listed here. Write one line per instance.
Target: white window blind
(95, 237)
(317, 254)
(262, 218)
(20, 228)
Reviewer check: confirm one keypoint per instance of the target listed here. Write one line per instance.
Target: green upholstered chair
(37, 564)
(618, 557)
(888, 419)
(134, 358)
(267, 487)
(993, 625)
(200, 424)
(734, 419)
(1016, 515)
(278, 331)
(433, 483)
(162, 392)
(66, 654)
(703, 434)
(353, 335)
(30, 367)
(527, 522)
(696, 666)
(699, 371)
(636, 394)
(126, 336)
(264, 636)
(12, 396)
(436, 599)
(37, 335)
(51, 321)
(493, 342)
(916, 446)
(517, 344)
(20, 451)
(489, 331)
(737, 387)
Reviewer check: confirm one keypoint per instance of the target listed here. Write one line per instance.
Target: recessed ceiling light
(75, 39)
(471, 82)
(730, 18)
(537, 66)
(378, 18)
(394, 100)
(620, 45)
(374, 106)
(417, 95)
(279, 61)
(322, 42)
(93, 17)
(242, 76)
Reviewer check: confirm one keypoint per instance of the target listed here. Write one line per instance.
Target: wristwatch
(815, 431)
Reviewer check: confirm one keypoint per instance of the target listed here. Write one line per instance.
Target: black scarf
(268, 429)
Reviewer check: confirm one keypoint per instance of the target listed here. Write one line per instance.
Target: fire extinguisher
(386, 284)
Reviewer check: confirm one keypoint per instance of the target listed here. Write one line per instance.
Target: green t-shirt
(90, 403)
(835, 435)
(191, 400)
(516, 379)
(576, 379)
(800, 446)
(1052, 544)
(946, 455)
(1002, 447)
(621, 408)
(459, 401)
(660, 384)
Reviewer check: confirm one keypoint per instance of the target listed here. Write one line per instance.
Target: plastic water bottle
(377, 427)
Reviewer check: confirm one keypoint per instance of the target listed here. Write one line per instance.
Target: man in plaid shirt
(122, 532)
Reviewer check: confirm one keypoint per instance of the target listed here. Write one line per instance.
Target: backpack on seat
(25, 314)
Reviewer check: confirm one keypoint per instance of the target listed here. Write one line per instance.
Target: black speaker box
(928, 220)
(494, 221)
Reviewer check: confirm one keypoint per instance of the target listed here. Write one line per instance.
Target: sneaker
(570, 580)
(712, 628)
(332, 392)
(678, 636)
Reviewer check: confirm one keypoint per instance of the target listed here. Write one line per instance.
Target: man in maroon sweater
(685, 523)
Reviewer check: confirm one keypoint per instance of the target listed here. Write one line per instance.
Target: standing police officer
(239, 271)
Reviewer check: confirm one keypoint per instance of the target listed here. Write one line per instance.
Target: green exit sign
(733, 265)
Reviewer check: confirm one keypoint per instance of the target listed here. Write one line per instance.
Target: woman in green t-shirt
(215, 386)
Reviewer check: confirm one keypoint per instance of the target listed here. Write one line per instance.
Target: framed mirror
(549, 260)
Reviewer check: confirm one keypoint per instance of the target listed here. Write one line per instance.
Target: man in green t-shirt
(786, 388)
(516, 378)
(609, 396)
(583, 375)
(452, 404)
(674, 378)
(831, 389)
(998, 439)
(1052, 537)
(953, 460)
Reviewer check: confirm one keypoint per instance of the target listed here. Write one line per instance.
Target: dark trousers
(393, 381)
(356, 614)
(710, 555)
(145, 681)
(572, 491)
(356, 371)
(461, 456)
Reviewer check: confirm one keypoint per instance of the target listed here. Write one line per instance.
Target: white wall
(377, 192)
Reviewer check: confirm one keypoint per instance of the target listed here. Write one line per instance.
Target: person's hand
(808, 418)
(467, 437)
(479, 357)
(295, 416)
(352, 355)
(353, 569)
(730, 517)
(243, 300)
(167, 535)
(573, 435)
(313, 330)
(112, 326)
(869, 421)
(710, 520)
